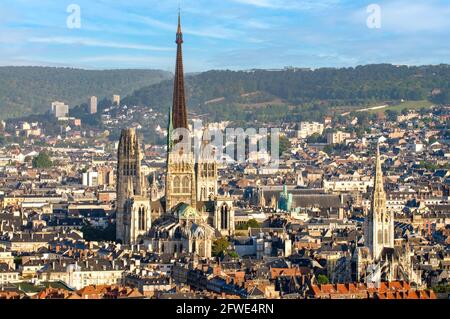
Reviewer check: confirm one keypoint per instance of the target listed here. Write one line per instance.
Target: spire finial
(179, 19)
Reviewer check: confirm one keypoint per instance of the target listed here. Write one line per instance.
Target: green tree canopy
(253, 223)
(220, 246)
(42, 161)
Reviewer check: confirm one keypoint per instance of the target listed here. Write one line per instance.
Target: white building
(337, 137)
(92, 105)
(116, 99)
(90, 179)
(59, 109)
(309, 128)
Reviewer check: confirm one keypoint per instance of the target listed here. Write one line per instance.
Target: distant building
(59, 109)
(309, 128)
(337, 137)
(92, 105)
(90, 179)
(116, 99)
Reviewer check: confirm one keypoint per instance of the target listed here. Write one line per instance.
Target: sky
(224, 34)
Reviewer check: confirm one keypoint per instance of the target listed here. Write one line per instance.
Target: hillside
(299, 93)
(30, 90)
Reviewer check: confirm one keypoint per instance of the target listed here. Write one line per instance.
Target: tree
(253, 223)
(391, 115)
(91, 233)
(322, 280)
(316, 138)
(285, 144)
(220, 246)
(42, 161)
(233, 254)
(328, 149)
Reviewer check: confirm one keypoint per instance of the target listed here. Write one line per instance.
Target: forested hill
(30, 90)
(230, 94)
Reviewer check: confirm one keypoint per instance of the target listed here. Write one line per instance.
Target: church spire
(378, 195)
(179, 112)
(378, 172)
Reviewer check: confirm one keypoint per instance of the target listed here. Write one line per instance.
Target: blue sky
(224, 34)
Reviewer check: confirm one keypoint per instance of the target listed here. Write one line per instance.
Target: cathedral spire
(378, 183)
(179, 112)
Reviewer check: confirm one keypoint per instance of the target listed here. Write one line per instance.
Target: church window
(141, 218)
(186, 185)
(176, 185)
(224, 217)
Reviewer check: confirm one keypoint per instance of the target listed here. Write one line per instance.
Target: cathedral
(381, 259)
(191, 214)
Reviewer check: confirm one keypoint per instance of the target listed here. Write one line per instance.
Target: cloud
(289, 4)
(95, 43)
(212, 31)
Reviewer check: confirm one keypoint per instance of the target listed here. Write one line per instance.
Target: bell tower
(379, 226)
(130, 183)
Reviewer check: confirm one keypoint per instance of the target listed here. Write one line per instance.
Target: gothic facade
(380, 259)
(132, 207)
(379, 228)
(191, 214)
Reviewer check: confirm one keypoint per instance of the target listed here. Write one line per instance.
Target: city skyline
(324, 184)
(233, 34)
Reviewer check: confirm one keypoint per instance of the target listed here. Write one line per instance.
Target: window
(224, 217)
(186, 185)
(176, 185)
(141, 218)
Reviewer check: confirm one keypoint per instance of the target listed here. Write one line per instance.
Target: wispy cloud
(289, 4)
(210, 31)
(224, 34)
(96, 43)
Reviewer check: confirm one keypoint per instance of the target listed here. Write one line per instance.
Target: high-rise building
(92, 105)
(59, 109)
(116, 99)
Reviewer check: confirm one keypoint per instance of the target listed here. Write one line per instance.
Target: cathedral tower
(379, 228)
(206, 169)
(130, 184)
(180, 177)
